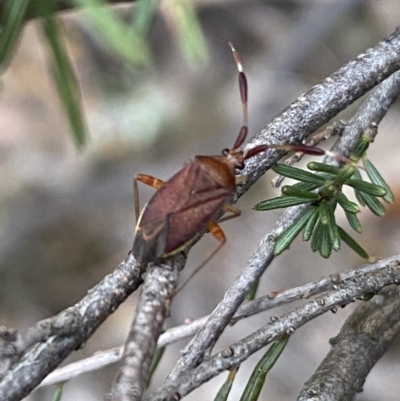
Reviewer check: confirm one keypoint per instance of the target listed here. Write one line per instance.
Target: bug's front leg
(145, 179)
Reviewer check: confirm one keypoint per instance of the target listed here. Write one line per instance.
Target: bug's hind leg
(145, 179)
(217, 233)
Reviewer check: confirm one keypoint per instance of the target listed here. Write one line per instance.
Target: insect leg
(240, 179)
(145, 179)
(217, 232)
(230, 209)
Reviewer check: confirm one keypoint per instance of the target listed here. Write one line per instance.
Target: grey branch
(370, 113)
(307, 290)
(344, 293)
(89, 314)
(154, 307)
(363, 339)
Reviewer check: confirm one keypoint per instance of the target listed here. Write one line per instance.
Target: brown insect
(189, 202)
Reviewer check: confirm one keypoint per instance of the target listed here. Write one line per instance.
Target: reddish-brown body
(183, 207)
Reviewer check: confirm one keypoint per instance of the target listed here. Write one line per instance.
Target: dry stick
(364, 338)
(178, 333)
(307, 290)
(235, 354)
(307, 114)
(153, 308)
(93, 309)
(370, 113)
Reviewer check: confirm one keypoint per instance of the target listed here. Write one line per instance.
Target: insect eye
(225, 152)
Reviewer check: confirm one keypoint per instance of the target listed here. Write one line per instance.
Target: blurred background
(66, 216)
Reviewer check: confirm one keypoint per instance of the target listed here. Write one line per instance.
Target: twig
(364, 338)
(16, 343)
(370, 113)
(154, 307)
(91, 312)
(106, 358)
(307, 290)
(231, 357)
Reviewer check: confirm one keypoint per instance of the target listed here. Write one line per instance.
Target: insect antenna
(311, 150)
(307, 149)
(243, 87)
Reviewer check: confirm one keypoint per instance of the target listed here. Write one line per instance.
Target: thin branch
(17, 343)
(363, 339)
(262, 304)
(154, 307)
(235, 354)
(106, 358)
(370, 113)
(90, 313)
(300, 119)
(307, 290)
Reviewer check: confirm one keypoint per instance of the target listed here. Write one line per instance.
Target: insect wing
(153, 225)
(150, 241)
(177, 212)
(193, 216)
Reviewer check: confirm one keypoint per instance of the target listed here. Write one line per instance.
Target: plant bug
(189, 202)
